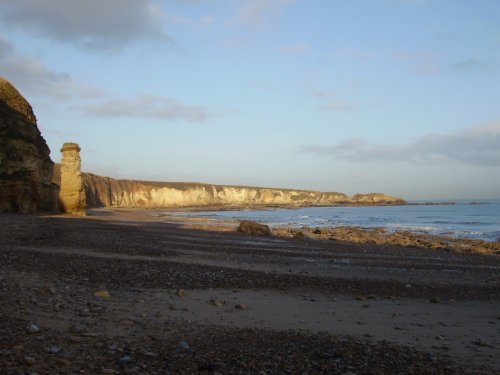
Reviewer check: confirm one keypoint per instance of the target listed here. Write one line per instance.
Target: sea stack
(72, 194)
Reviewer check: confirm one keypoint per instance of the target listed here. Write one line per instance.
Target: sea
(479, 219)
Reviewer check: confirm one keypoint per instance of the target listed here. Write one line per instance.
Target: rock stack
(72, 194)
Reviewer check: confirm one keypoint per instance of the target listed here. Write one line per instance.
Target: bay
(462, 219)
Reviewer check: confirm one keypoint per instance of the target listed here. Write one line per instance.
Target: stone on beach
(215, 302)
(102, 294)
(253, 228)
(29, 360)
(33, 328)
(184, 345)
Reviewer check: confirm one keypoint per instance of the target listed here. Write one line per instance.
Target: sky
(355, 96)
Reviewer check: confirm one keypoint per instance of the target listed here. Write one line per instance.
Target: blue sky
(357, 96)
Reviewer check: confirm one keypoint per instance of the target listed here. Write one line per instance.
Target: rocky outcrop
(108, 192)
(253, 228)
(25, 166)
(382, 236)
(372, 199)
(72, 195)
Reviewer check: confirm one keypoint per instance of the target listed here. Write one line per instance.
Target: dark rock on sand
(33, 328)
(253, 228)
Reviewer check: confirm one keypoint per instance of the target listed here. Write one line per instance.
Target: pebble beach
(132, 292)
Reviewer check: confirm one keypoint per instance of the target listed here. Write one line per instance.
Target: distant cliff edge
(108, 192)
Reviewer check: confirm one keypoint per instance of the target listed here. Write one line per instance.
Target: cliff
(108, 192)
(25, 166)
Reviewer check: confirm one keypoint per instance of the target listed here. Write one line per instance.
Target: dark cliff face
(25, 166)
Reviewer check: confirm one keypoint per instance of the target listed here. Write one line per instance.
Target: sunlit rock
(72, 195)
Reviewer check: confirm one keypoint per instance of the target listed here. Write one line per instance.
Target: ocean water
(467, 219)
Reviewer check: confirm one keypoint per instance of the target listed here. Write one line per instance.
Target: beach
(144, 292)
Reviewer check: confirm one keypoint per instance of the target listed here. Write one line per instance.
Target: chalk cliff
(108, 192)
(25, 166)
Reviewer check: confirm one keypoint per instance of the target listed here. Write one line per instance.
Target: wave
(459, 222)
(472, 223)
(493, 236)
(322, 220)
(411, 226)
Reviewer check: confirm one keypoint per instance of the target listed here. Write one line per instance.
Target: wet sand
(190, 295)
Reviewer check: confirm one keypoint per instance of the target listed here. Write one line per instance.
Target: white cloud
(355, 54)
(176, 19)
(426, 62)
(478, 145)
(466, 66)
(32, 76)
(296, 49)
(255, 12)
(150, 106)
(470, 66)
(323, 93)
(337, 105)
(335, 101)
(207, 20)
(29, 74)
(6, 48)
(100, 24)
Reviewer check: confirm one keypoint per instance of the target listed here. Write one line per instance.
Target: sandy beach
(141, 292)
